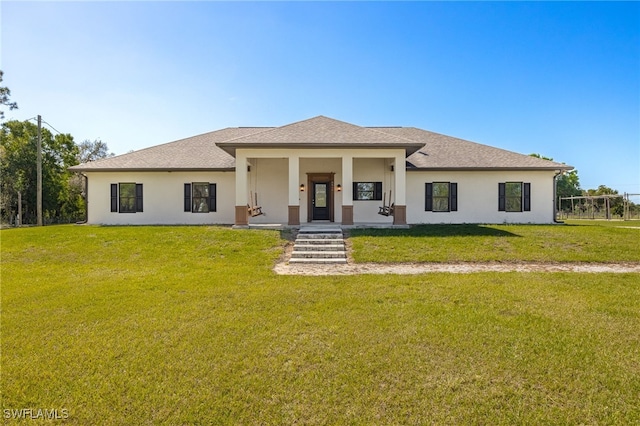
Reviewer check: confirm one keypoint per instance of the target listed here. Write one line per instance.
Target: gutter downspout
(555, 195)
(86, 198)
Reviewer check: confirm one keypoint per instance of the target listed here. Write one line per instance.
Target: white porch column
(294, 195)
(241, 217)
(347, 190)
(400, 172)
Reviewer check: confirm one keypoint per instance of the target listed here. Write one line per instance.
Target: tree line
(63, 197)
(568, 185)
(62, 191)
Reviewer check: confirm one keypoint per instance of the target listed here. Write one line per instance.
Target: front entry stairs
(316, 245)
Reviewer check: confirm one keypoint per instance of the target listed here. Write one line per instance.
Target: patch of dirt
(351, 268)
(284, 268)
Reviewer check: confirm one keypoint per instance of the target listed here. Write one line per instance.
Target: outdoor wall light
(339, 188)
(302, 187)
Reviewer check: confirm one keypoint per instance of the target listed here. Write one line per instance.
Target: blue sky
(560, 78)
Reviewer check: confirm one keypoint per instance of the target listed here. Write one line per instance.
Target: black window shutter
(212, 197)
(526, 201)
(501, 197)
(428, 197)
(453, 197)
(355, 191)
(138, 197)
(187, 197)
(377, 193)
(114, 197)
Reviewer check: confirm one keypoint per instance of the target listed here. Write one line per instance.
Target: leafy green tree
(616, 204)
(87, 151)
(18, 156)
(567, 184)
(602, 190)
(541, 156)
(93, 150)
(4, 97)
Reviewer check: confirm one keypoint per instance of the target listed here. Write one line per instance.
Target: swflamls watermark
(35, 413)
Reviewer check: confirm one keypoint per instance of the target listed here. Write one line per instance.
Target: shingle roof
(194, 153)
(446, 152)
(211, 151)
(320, 132)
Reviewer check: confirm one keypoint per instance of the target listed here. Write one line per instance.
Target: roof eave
(153, 169)
(230, 148)
(529, 168)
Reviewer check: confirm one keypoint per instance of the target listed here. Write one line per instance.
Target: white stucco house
(320, 170)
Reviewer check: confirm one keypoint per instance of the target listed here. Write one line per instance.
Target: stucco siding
(478, 197)
(269, 178)
(163, 198)
(372, 170)
(163, 194)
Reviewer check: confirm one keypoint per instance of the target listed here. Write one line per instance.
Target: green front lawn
(184, 325)
(578, 241)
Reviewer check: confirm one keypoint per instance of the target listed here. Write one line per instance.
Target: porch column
(400, 208)
(294, 194)
(242, 218)
(347, 190)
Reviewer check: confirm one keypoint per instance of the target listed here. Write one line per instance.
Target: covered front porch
(293, 187)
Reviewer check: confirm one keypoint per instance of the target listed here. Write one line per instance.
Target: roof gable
(320, 132)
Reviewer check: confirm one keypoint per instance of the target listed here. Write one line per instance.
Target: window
(200, 197)
(367, 191)
(441, 197)
(126, 197)
(514, 196)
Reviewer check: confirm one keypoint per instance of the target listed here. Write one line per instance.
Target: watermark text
(35, 413)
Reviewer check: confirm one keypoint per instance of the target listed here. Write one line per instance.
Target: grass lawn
(188, 325)
(577, 241)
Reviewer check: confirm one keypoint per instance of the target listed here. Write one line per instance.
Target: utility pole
(19, 218)
(39, 172)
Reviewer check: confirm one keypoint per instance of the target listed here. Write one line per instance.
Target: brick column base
(294, 215)
(399, 215)
(347, 215)
(242, 216)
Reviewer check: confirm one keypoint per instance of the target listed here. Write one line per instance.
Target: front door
(321, 201)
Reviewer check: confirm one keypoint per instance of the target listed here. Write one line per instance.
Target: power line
(53, 128)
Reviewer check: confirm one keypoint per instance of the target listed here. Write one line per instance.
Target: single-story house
(320, 170)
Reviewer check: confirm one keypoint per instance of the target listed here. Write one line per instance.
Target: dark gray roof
(213, 150)
(446, 152)
(320, 132)
(194, 153)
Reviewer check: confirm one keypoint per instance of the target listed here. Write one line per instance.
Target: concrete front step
(318, 254)
(323, 261)
(319, 242)
(318, 247)
(327, 236)
(319, 230)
